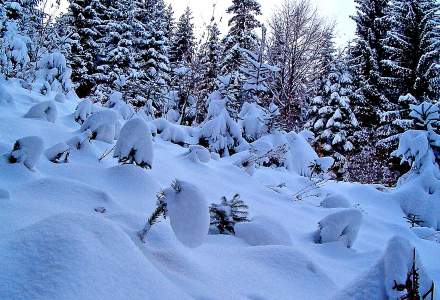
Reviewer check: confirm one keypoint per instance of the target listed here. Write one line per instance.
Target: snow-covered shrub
(199, 154)
(301, 153)
(335, 201)
(399, 274)
(83, 110)
(321, 166)
(188, 212)
(341, 226)
(227, 213)
(14, 51)
(46, 110)
(134, 145)
(58, 153)
(254, 121)
(104, 125)
(78, 141)
(116, 103)
(171, 132)
(52, 74)
(262, 231)
(264, 154)
(27, 150)
(219, 132)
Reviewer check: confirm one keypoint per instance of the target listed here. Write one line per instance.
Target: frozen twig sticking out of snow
(341, 226)
(46, 110)
(135, 145)
(187, 210)
(27, 150)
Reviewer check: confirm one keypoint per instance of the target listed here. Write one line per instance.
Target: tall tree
(182, 50)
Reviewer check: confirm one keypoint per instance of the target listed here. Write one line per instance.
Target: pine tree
(84, 55)
(332, 119)
(412, 51)
(209, 54)
(366, 55)
(182, 50)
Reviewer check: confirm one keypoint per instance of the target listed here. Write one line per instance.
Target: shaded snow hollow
(69, 230)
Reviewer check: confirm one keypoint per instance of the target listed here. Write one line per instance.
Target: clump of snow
(104, 125)
(253, 121)
(262, 231)
(27, 150)
(391, 269)
(58, 153)
(135, 144)
(77, 141)
(116, 103)
(303, 155)
(413, 146)
(83, 110)
(199, 154)
(334, 200)
(46, 110)
(188, 212)
(171, 132)
(340, 226)
(60, 98)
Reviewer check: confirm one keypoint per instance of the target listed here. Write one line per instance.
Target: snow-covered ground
(70, 230)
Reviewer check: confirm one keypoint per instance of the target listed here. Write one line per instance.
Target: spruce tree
(366, 54)
(332, 119)
(182, 50)
(412, 49)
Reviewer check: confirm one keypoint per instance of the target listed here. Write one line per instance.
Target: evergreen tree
(84, 55)
(332, 119)
(182, 50)
(210, 67)
(412, 49)
(366, 55)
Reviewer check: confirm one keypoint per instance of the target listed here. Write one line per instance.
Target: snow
(46, 110)
(69, 230)
(188, 212)
(334, 200)
(199, 154)
(83, 110)
(27, 150)
(263, 231)
(104, 125)
(116, 103)
(340, 226)
(58, 153)
(134, 144)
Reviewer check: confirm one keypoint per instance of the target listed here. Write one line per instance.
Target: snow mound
(335, 201)
(188, 212)
(173, 133)
(134, 144)
(303, 155)
(104, 125)
(392, 268)
(58, 153)
(116, 103)
(27, 150)
(263, 231)
(46, 110)
(83, 110)
(199, 154)
(6, 98)
(341, 226)
(72, 256)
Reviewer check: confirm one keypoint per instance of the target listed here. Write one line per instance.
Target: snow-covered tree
(412, 51)
(182, 50)
(219, 132)
(331, 118)
(366, 54)
(134, 145)
(257, 121)
(227, 213)
(53, 74)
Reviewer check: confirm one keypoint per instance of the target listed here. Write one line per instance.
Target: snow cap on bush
(104, 125)
(83, 110)
(27, 150)
(199, 154)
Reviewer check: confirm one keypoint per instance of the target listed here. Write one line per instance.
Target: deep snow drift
(69, 227)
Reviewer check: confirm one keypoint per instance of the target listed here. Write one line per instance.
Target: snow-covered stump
(342, 226)
(198, 154)
(83, 110)
(188, 212)
(135, 145)
(104, 125)
(27, 151)
(46, 110)
(58, 153)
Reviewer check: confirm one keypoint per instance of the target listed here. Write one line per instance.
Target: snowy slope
(56, 242)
